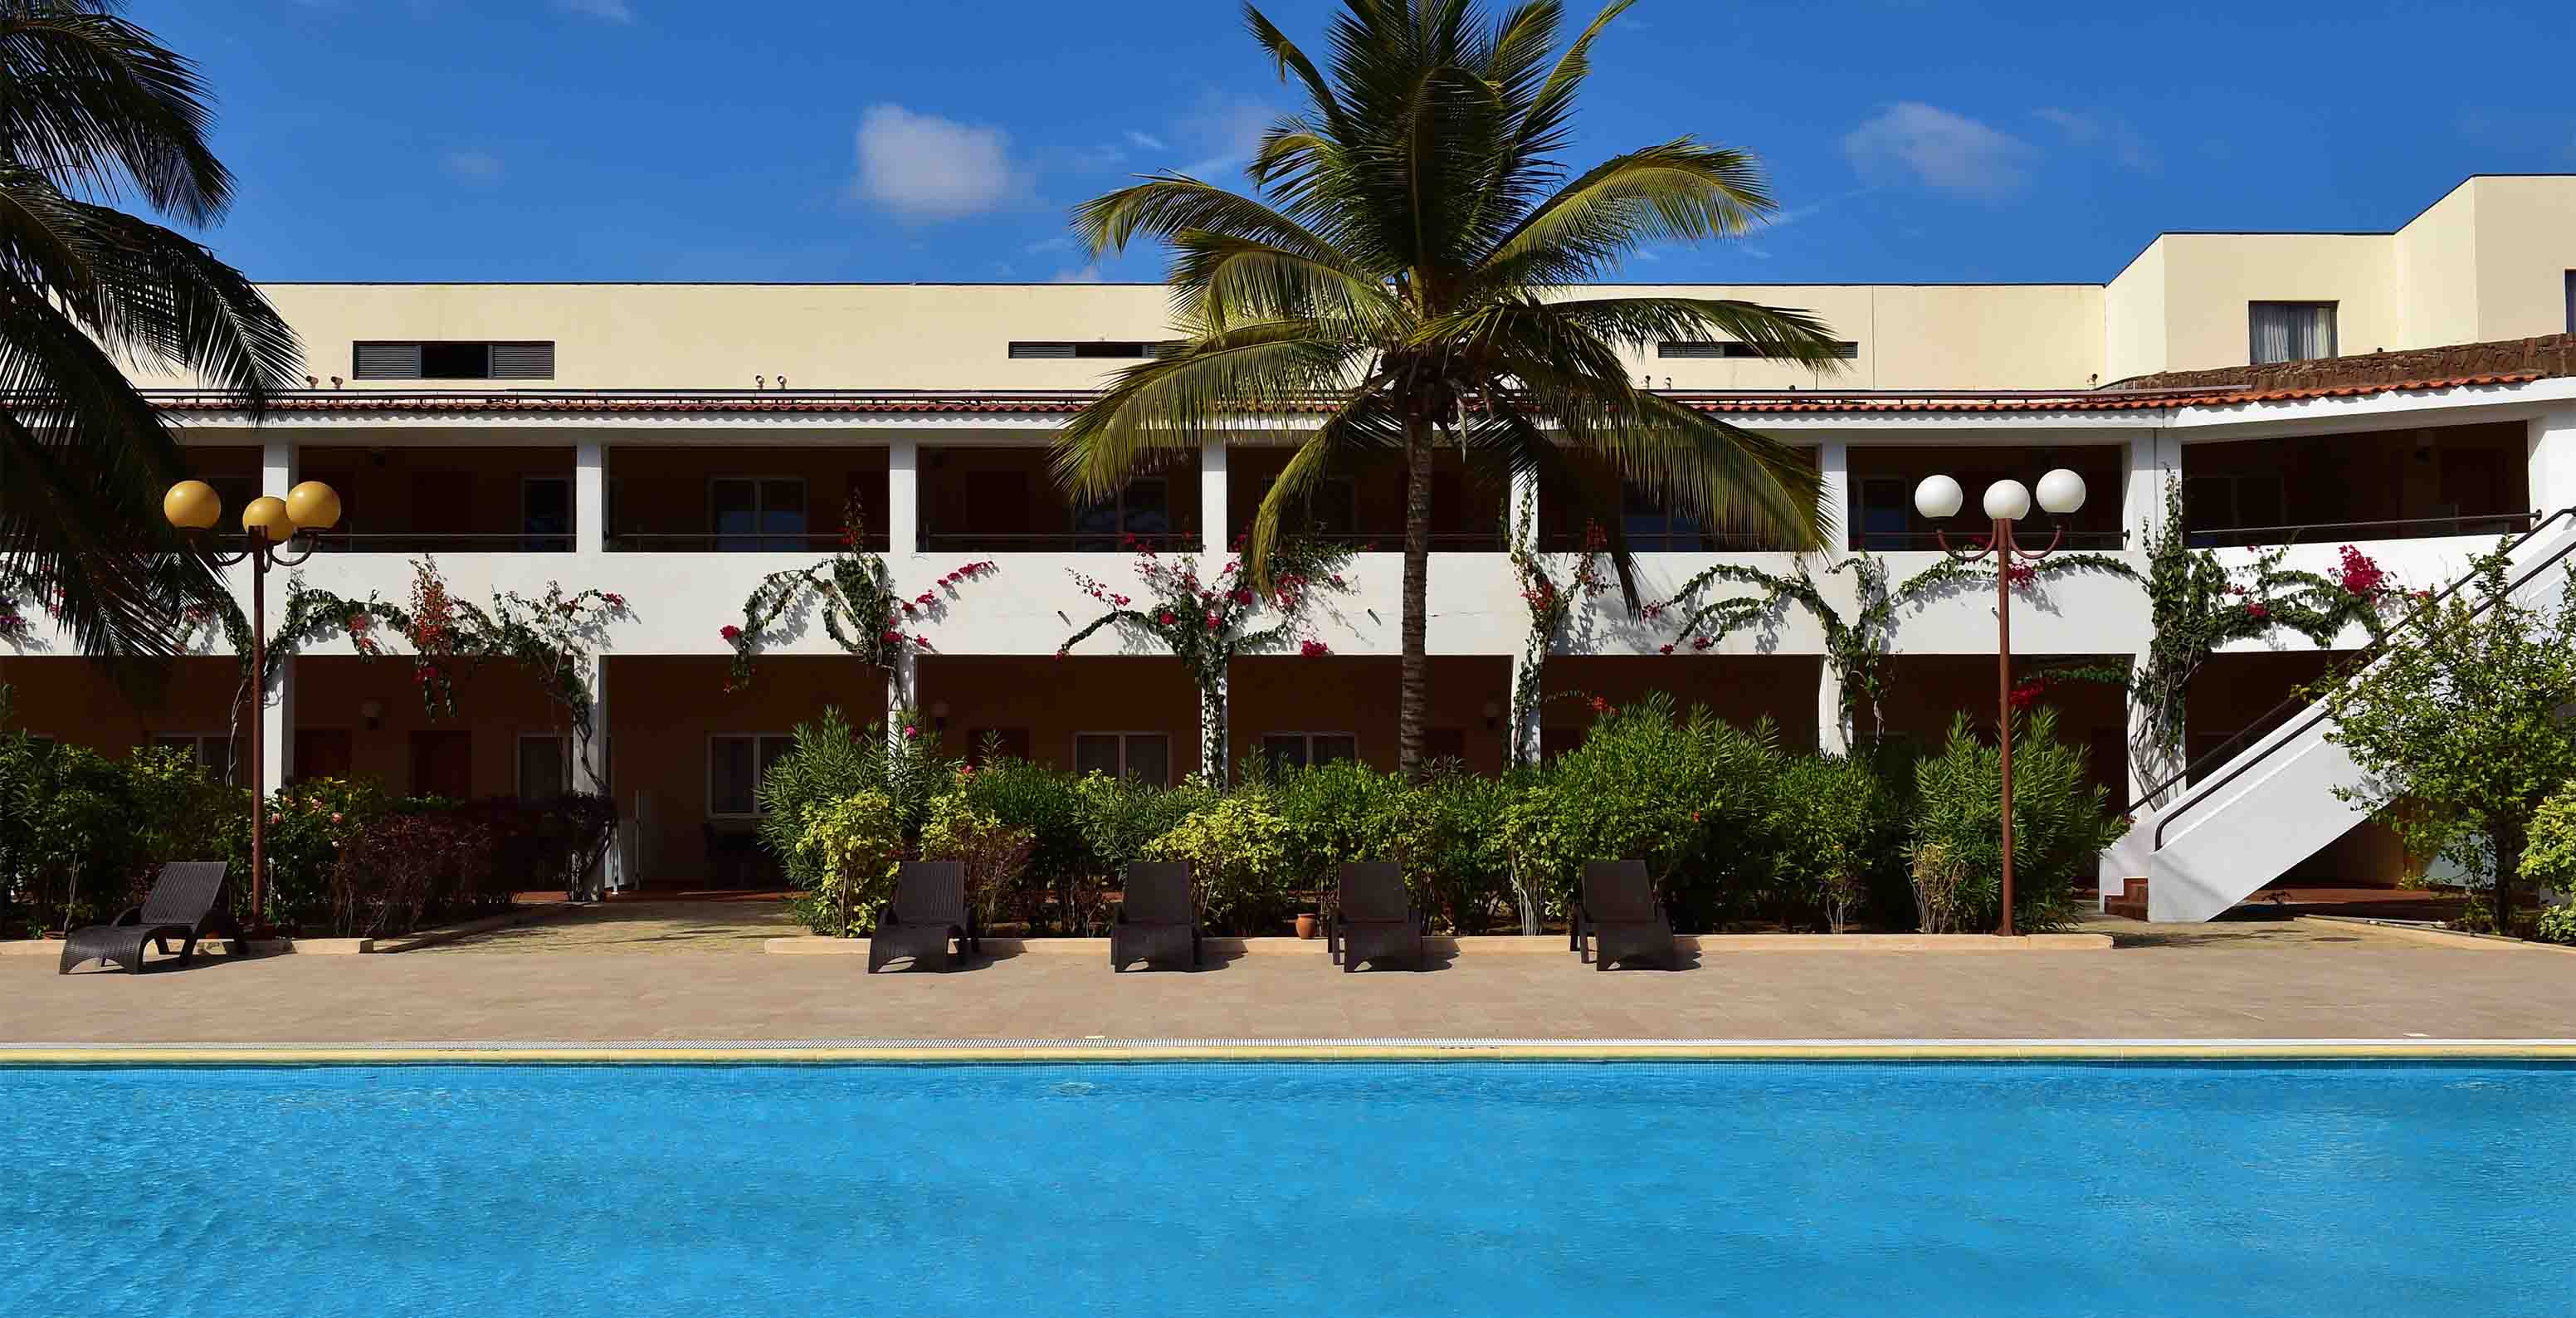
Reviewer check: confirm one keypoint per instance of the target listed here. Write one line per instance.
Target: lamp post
(271, 528)
(2060, 492)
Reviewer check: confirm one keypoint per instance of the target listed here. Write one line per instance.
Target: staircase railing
(2273, 718)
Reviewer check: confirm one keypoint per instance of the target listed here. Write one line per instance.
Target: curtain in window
(2292, 331)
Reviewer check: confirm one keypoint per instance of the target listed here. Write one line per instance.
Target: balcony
(1362, 505)
(743, 500)
(1880, 517)
(2378, 485)
(419, 500)
(1006, 500)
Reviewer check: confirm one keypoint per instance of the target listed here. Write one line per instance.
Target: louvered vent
(523, 361)
(1118, 348)
(1846, 350)
(387, 361)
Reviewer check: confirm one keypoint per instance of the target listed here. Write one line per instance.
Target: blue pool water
(1466, 1188)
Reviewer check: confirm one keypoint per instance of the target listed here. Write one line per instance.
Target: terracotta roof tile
(1065, 405)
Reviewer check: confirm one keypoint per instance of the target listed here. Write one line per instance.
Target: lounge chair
(1620, 914)
(1158, 918)
(1374, 918)
(186, 902)
(929, 909)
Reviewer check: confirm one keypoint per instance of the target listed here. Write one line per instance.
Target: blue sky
(946, 139)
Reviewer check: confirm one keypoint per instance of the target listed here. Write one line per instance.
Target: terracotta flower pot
(1306, 925)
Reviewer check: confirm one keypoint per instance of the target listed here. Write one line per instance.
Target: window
(2229, 503)
(449, 360)
(1298, 750)
(1138, 757)
(1143, 509)
(1846, 349)
(442, 764)
(545, 767)
(2571, 301)
(1649, 525)
(1886, 518)
(213, 751)
(2290, 331)
(545, 514)
(764, 513)
(1332, 505)
(1060, 349)
(736, 762)
(989, 745)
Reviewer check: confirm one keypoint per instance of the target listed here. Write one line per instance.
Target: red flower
(1164, 617)
(1664, 649)
(1600, 706)
(909, 608)
(2359, 575)
(615, 601)
(731, 633)
(1702, 642)
(2257, 611)
(1312, 649)
(922, 641)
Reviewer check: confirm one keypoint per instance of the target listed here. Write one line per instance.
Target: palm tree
(1395, 267)
(94, 109)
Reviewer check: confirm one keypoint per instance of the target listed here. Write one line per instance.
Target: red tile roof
(860, 404)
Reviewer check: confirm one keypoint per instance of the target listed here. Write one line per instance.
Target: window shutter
(523, 361)
(1669, 349)
(386, 361)
(1041, 350)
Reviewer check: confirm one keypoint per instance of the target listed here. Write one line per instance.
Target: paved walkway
(637, 926)
(595, 980)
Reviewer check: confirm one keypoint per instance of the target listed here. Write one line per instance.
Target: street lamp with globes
(2061, 492)
(272, 531)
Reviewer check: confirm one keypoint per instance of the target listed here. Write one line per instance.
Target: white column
(1213, 512)
(1833, 498)
(277, 703)
(589, 497)
(903, 499)
(1525, 502)
(1528, 728)
(1833, 735)
(594, 775)
(902, 682)
(1216, 731)
(2552, 449)
(2155, 460)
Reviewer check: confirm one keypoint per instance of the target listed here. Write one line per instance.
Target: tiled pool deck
(682, 975)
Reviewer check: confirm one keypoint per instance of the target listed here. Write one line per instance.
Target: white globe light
(2007, 501)
(2061, 491)
(1938, 497)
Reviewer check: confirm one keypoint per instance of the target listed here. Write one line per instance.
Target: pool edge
(826, 1052)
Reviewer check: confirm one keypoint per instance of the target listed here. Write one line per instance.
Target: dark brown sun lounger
(186, 902)
(928, 910)
(1158, 917)
(1374, 919)
(1620, 915)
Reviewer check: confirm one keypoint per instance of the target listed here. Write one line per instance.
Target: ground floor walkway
(600, 977)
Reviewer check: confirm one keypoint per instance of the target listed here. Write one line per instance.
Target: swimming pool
(1227, 1188)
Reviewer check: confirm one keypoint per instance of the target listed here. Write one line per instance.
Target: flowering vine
(1856, 648)
(1206, 622)
(1551, 608)
(862, 612)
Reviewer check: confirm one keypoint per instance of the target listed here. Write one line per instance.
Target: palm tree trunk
(1417, 580)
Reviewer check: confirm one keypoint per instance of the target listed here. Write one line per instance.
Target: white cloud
(473, 166)
(1947, 151)
(1059, 243)
(1146, 141)
(2093, 132)
(924, 167)
(615, 11)
(1089, 274)
(1225, 133)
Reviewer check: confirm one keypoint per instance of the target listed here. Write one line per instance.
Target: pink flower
(335, 816)
(1314, 649)
(614, 600)
(911, 731)
(925, 599)
(1702, 642)
(1164, 617)
(731, 633)
(909, 608)
(922, 641)
(1337, 579)
(2257, 611)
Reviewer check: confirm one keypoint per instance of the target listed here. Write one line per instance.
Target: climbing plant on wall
(1205, 623)
(1856, 647)
(855, 595)
(2200, 605)
(1551, 610)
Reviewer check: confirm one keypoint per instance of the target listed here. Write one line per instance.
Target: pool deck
(665, 982)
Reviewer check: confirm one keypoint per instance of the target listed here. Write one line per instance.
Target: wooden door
(442, 763)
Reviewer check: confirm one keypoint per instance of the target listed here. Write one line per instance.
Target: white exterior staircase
(2271, 805)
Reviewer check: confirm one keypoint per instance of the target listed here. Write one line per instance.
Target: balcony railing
(1882, 541)
(442, 542)
(2399, 528)
(736, 542)
(1182, 541)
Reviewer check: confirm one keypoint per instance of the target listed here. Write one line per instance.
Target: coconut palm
(1398, 268)
(94, 110)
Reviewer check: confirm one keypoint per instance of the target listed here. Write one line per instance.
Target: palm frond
(1175, 402)
(1679, 191)
(1221, 278)
(1165, 206)
(1641, 323)
(161, 295)
(93, 99)
(1362, 422)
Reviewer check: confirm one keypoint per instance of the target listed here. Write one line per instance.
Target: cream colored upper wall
(957, 336)
(2133, 317)
(2437, 273)
(2210, 277)
(2525, 244)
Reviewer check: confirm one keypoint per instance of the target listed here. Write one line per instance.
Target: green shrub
(1335, 814)
(307, 826)
(1449, 835)
(1239, 853)
(2061, 823)
(995, 854)
(1830, 828)
(2549, 862)
(1120, 819)
(1059, 886)
(830, 763)
(846, 858)
(407, 868)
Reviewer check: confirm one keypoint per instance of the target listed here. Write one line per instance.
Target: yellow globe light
(314, 506)
(268, 513)
(192, 506)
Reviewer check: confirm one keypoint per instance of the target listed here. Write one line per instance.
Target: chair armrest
(132, 915)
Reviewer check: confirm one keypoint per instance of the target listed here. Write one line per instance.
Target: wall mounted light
(1493, 714)
(939, 715)
(373, 712)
